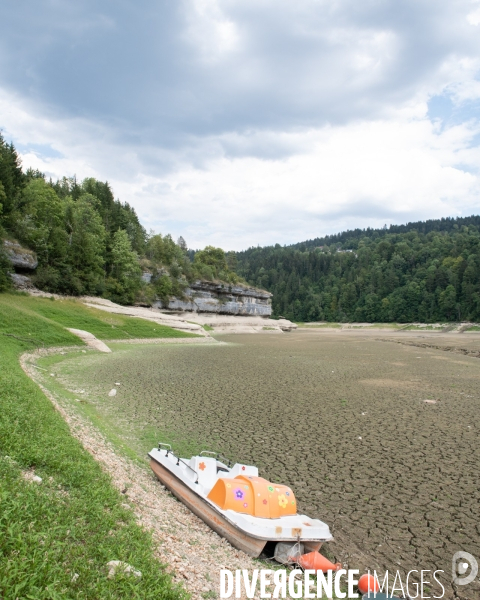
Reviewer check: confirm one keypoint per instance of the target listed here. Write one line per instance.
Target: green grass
(73, 522)
(472, 328)
(70, 313)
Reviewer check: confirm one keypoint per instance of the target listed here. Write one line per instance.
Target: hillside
(424, 271)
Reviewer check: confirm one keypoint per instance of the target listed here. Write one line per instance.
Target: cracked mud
(342, 419)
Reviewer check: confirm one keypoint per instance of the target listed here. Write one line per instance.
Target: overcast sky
(245, 122)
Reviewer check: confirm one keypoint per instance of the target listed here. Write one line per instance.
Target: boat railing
(168, 448)
(180, 460)
(218, 457)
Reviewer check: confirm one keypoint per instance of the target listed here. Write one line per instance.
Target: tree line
(426, 271)
(88, 242)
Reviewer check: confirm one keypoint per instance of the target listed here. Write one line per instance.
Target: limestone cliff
(20, 257)
(221, 298)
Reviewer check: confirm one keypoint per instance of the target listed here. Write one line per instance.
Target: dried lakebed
(340, 417)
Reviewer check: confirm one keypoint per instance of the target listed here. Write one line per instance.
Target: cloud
(251, 121)
(365, 174)
(172, 70)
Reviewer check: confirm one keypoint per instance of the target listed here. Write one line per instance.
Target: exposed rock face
(21, 282)
(207, 296)
(20, 257)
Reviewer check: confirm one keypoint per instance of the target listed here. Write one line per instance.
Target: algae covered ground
(57, 535)
(339, 416)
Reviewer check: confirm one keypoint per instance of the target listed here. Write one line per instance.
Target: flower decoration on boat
(202, 466)
(264, 501)
(245, 505)
(282, 501)
(243, 468)
(270, 488)
(239, 494)
(293, 502)
(229, 485)
(287, 493)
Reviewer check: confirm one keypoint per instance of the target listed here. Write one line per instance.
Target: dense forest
(87, 242)
(426, 271)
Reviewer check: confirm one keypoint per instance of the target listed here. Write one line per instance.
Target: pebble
(119, 565)
(37, 479)
(112, 392)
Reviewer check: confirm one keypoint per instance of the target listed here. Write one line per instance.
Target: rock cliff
(211, 297)
(20, 257)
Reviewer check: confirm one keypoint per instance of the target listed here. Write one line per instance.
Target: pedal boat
(234, 501)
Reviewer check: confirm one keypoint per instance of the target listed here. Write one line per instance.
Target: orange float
(368, 583)
(317, 562)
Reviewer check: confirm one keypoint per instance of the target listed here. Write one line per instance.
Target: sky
(240, 123)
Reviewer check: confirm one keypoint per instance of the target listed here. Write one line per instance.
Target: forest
(425, 271)
(88, 242)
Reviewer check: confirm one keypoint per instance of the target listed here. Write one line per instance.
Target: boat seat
(206, 467)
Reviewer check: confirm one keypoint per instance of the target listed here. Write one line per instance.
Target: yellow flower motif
(282, 501)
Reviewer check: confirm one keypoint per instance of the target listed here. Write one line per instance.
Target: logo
(462, 562)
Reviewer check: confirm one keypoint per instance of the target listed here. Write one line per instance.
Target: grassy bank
(75, 314)
(58, 535)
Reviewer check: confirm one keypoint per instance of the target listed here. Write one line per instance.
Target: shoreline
(194, 554)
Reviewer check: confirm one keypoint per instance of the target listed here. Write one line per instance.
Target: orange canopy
(254, 496)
